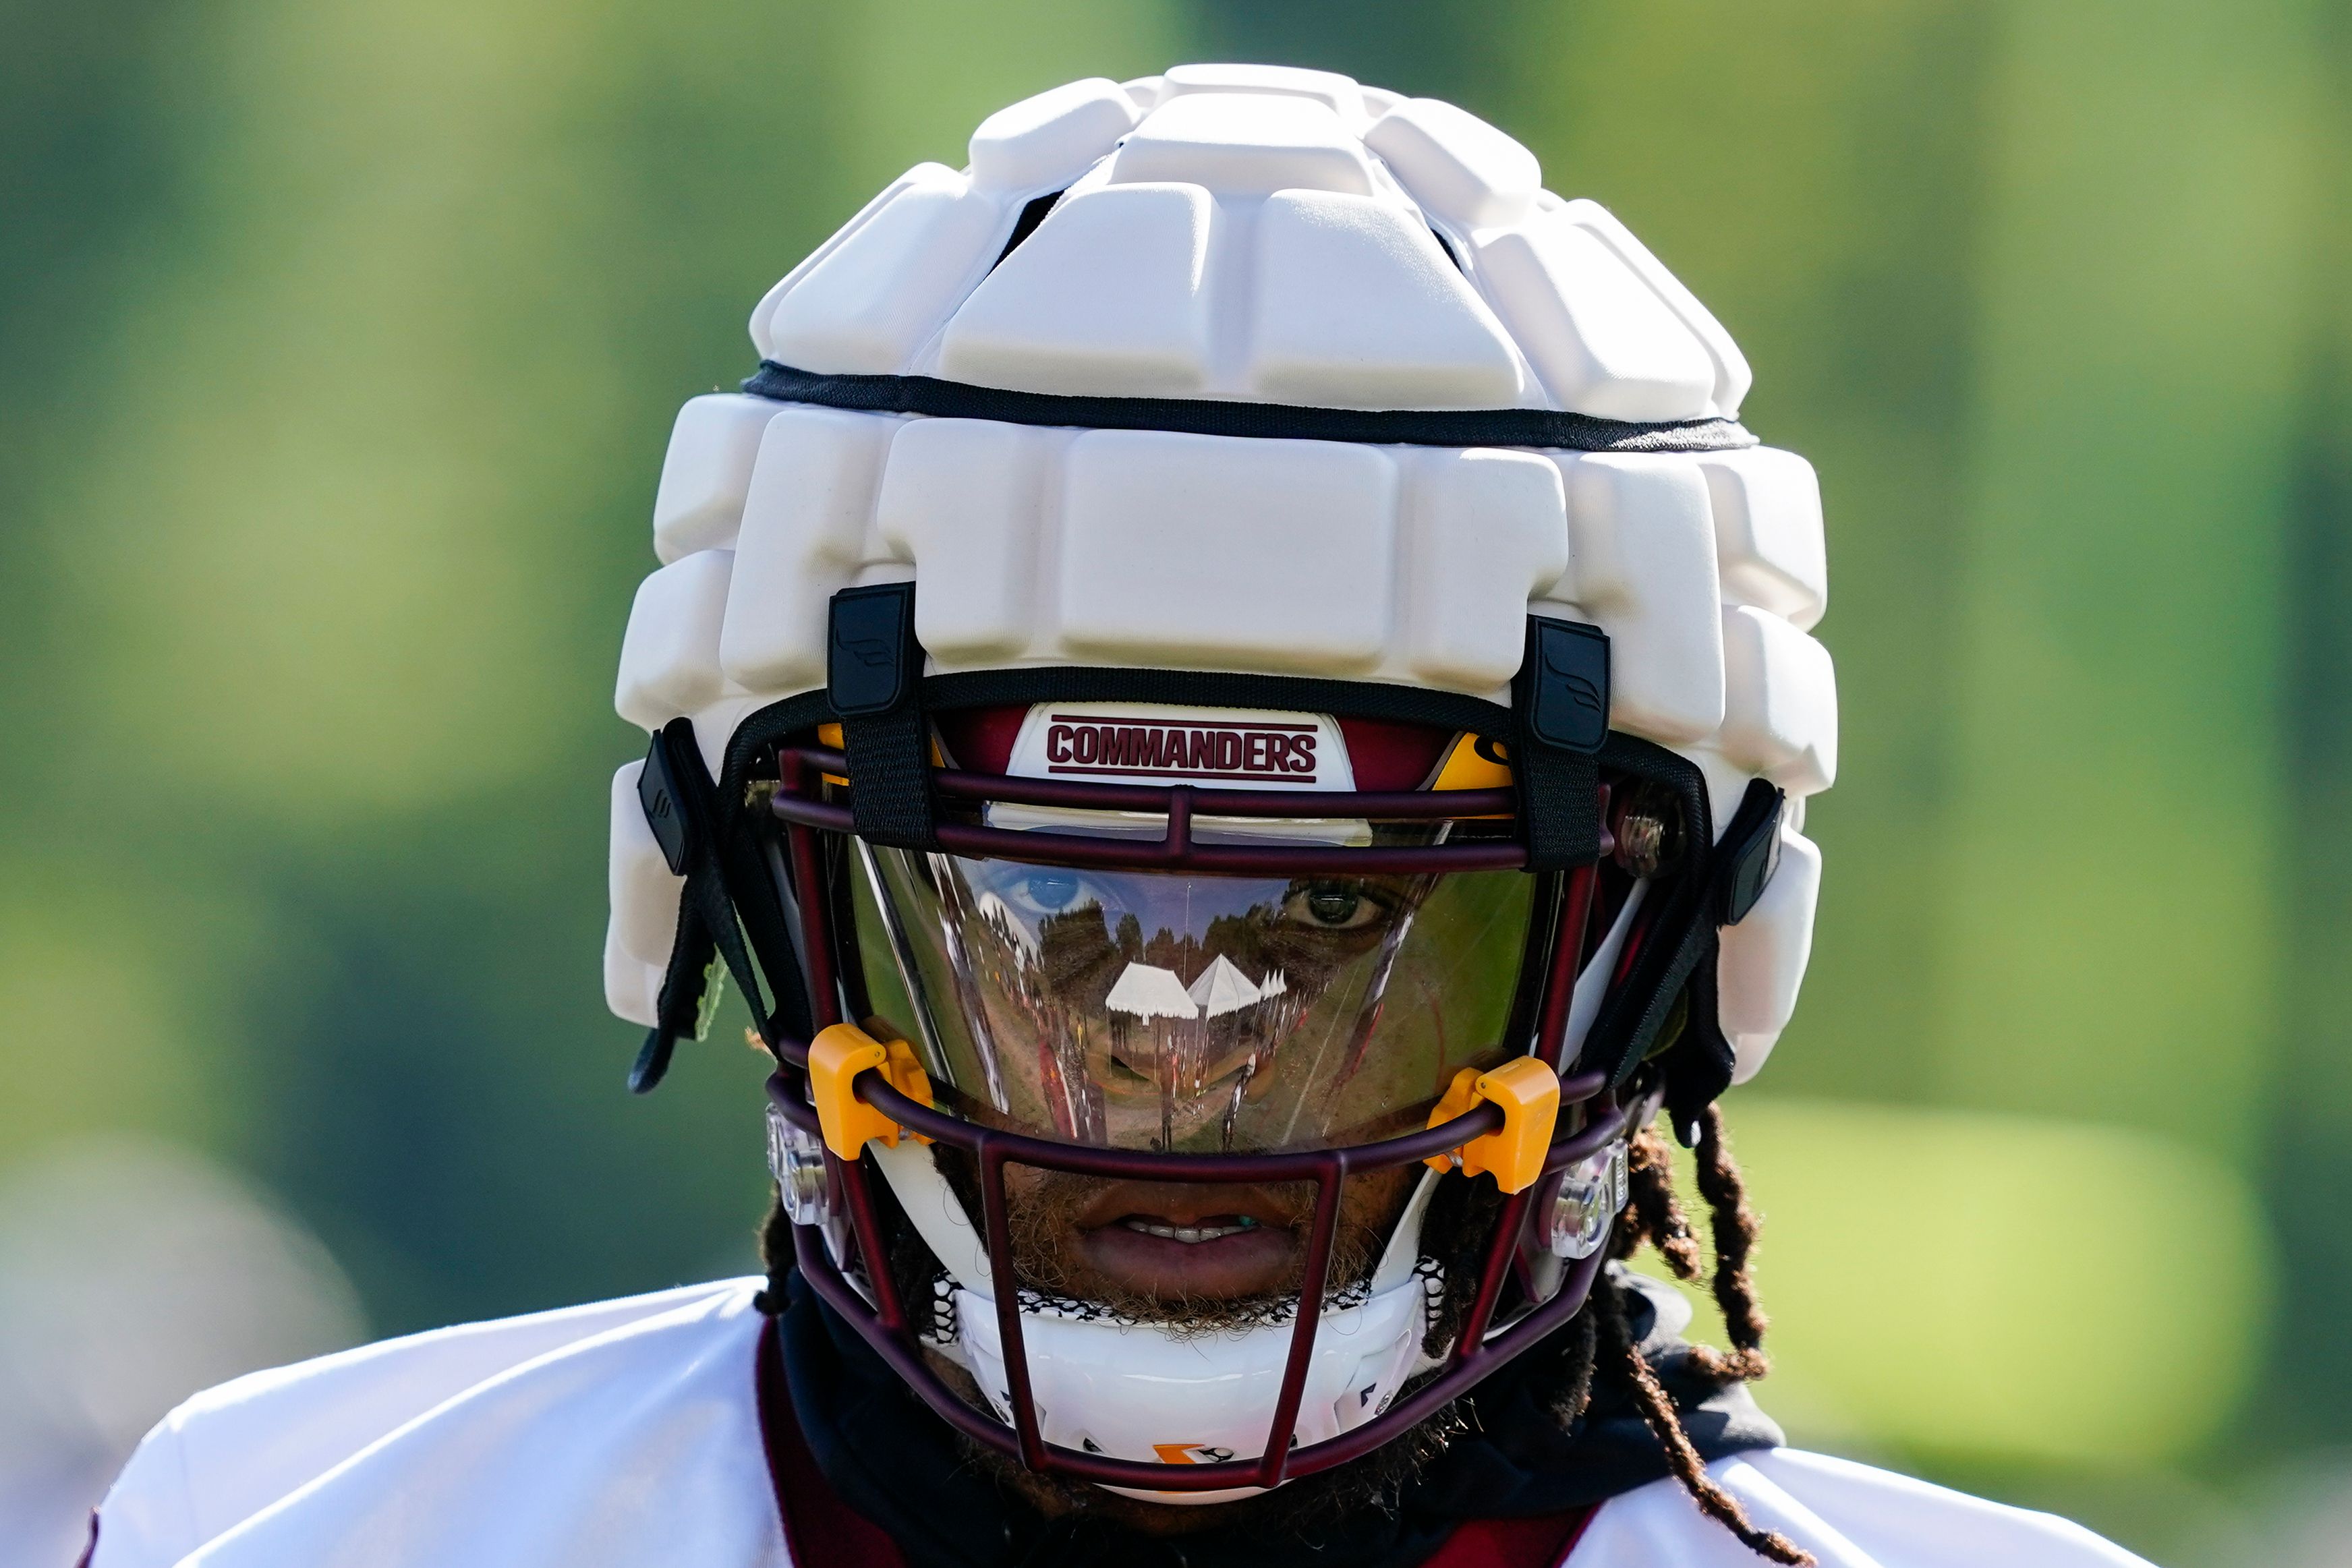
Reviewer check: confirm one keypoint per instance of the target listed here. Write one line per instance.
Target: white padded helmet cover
(1263, 236)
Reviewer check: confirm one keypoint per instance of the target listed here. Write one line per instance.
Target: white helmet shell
(1253, 235)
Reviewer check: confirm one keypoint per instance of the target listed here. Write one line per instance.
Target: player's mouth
(1182, 1241)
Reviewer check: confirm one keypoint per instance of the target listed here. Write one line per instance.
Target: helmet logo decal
(1164, 743)
(1252, 751)
(1191, 1454)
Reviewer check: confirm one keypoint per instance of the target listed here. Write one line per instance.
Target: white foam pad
(1768, 532)
(1415, 564)
(1359, 307)
(1779, 714)
(1762, 959)
(803, 537)
(705, 473)
(1104, 297)
(670, 655)
(883, 292)
(1484, 532)
(1597, 334)
(1732, 375)
(714, 727)
(1244, 144)
(1043, 143)
(1186, 296)
(961, 497)
(1642, 566)
(1201, 551)
(643, 893)
(1456, 165)
(764, 312)
(632, 988)
(1333, 91)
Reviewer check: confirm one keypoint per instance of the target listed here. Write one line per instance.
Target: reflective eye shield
(712, 840)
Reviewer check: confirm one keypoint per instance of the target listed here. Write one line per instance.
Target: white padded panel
(764, 313)
(1761, 961)
(1268, 555)
(1768, 532)
(960, 498)
(805, 526)
(1779, 709)
(1043, 143)
(705, 473)
(632, 989)
(1732, 375)
(1642, 564)
(1358, 307)
(670, 655)
(1456, 165)
(1485, 531)
(1334, 92)
(1598, 335)
(1603, 342)
(644, 896)
(1104, 298)
(867, 307)
(714, 725)
(1244, 144)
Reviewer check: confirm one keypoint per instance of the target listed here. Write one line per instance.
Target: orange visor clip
(836, 1056)
(1528, 1092)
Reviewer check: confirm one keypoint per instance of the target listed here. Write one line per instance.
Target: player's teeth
(1189, 1233)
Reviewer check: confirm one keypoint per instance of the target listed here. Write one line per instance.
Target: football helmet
(1235, 640)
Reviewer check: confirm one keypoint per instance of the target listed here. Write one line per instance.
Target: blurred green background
(339, 343)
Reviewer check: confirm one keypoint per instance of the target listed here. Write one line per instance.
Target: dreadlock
(1658, 1407)
(1652, 1215)
(1734, 1226)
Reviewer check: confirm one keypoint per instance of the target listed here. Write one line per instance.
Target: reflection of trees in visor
(1193, 1013)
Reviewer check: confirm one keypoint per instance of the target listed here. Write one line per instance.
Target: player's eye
(1048, 892)
(1332, 906)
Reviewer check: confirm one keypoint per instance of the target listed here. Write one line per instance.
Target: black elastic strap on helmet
(681, 808)
(937, 399)
(873, 678)
(1719, 891)
(1560, 701)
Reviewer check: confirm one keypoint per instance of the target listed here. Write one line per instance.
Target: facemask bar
(1180, 804)
(1476, 1354)
(871, 1302)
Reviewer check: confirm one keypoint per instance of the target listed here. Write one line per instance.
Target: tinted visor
(1189, 1013)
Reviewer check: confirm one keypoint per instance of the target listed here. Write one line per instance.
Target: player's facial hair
(1045, 1210)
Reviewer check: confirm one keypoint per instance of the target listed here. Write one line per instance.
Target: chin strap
(874, 668)
(681, 806)
(1677, 950)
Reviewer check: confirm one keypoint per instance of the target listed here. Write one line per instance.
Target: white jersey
(628, 1435)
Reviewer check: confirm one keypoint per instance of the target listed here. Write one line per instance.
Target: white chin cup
(1158, 1394)
(1146, 1392)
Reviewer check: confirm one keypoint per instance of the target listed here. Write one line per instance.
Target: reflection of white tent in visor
(1223, 988)
(1147, 991)
(999, 916)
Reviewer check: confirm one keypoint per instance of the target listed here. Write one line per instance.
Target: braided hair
(1601, 1342)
